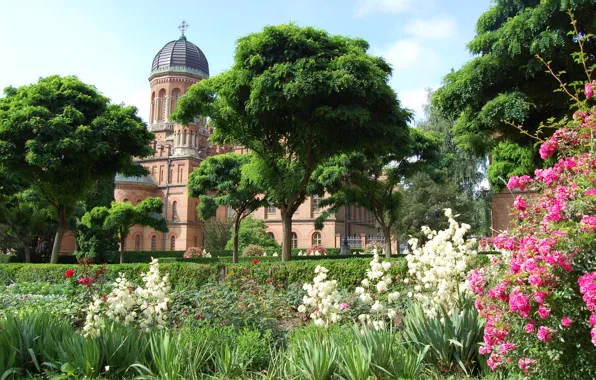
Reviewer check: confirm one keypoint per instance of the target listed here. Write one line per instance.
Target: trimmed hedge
(191, 276)
(10, 258)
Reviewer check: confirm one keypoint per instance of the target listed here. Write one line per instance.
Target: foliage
(423, 203)
(452, 336)
(373, 183)
(253, 250)
(252, 232)
(196, 252)
(60, 136)
(537, 321)
(296, 97)
(219, 181)
(217, 233)
(121, 216)
(316, 250)
(506, 80)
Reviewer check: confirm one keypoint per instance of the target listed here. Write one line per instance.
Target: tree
(221, 176)
(60, 136)
(26, 216)
(217, 233)
(424, 202)
(374, 183)
(123, 215)
(252, 231)
(507, 80)
(296, 97)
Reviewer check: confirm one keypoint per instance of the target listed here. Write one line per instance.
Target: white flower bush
(322, 301)
(372, 292)
(438, 269)
(146, 307)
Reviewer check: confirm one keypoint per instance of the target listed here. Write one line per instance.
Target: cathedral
(179, 149)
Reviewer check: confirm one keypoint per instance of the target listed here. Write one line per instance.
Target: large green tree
(296, 97)
(121, 216)
(374, 183)
(507, 81)
(61, 135)
(253, 231)
(218, 181)
(26, 216)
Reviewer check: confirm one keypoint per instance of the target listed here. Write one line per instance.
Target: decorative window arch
(294, 240)
(271, 234)
(316, 238)
(153, 243)
(125, 200)
(138, 243)
(315, 203)
(173, 243)
(139, 201)
(175, 211)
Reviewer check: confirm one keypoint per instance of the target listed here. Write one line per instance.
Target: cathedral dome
(180, 56)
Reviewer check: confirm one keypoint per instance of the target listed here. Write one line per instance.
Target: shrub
(252, 231)
(372, 246)
(316, 250)
(253, 250)
(196, 252)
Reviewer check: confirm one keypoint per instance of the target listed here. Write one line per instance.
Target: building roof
(146, 180)
(180, 55)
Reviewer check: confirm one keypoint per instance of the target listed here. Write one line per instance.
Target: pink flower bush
(538, 293)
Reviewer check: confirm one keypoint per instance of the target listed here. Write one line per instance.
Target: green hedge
(189, 276)
(10, 258)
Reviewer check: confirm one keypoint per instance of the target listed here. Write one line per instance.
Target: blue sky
(111, 43)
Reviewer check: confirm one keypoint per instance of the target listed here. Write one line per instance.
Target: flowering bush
(322, 301)
(374, 292)
(539, 300)
(145, 307)
(253, 250)
(316, 250)
(373, 246)
(196, 252)
(438, 268)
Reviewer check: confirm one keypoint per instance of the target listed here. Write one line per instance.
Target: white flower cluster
(438, 268)
(206, 254)
(146, 307)
(322, 299)
(273, 255)
(372, 292)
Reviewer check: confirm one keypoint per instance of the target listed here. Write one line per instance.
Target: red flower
(87, 281)
(69, 273)
(270, 280)
(255, 261)
(199, 316)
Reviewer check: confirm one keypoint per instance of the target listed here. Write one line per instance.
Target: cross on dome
(183, 27)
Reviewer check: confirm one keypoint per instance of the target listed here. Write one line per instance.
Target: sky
(111, 43)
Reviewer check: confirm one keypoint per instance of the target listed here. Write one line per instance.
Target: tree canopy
(121, 216)
(296, 97)
(61, 135)
(218, 181)
(252, 231)
(508, 81)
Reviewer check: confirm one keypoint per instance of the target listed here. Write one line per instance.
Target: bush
(316, 250)
(253, 250)
(10, 258)
(252, 231)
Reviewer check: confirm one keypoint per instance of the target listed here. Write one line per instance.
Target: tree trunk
(122, 242)
(387, 234)
(236, 230)
(59, 234)
(286, 248)
(27, 248)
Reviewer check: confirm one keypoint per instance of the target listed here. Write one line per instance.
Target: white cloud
(441, 27)
(413, 99)
(393, 6)
(407, 54)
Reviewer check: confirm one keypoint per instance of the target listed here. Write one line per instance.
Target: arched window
(139, 201)
(271, 209)
(137, 243)
(173, 243)
(175, 211)
(125, 200)
(152, 116)
(271, 235)
(316, 238)
(162, 109)
(230, 213)
(175, 97)
(153, 243)
(294, 240)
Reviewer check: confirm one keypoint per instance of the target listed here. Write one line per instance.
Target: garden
(463, 301)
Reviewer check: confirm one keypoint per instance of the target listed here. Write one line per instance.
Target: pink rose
(529, 327)
(544, 334)
(343, 306)
(566, 322)
(588, 90)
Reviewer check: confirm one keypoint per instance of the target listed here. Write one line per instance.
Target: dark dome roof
(180, 56)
